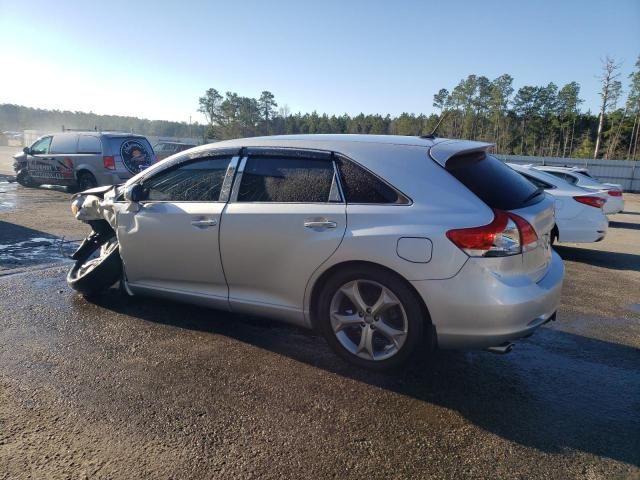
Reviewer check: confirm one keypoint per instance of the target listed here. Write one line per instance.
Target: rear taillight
(507, 234)
(591, 201)
(109, 162)
(615, 193)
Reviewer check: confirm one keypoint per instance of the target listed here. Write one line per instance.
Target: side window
(89, 144)
(41, 147)
(196, 181)
(537, 182)
(291, 180)
(361, 186)
(64, 144)
(571, 179)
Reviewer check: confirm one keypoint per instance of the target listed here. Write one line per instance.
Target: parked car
(582, 178)
(579, 213)
(166, 149)
(387, 245)
(83, 159)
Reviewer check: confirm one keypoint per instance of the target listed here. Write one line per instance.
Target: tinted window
(298, 180)
(88, 144)
(537, 182)
(197, 181)
(495, 183)
(41, 147)
(361, 186)
(64, 144)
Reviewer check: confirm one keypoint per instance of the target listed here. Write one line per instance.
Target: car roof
(546, 177)
(561, 169)
(328, 139)
(97, 134)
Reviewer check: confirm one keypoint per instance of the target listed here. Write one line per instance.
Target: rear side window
(495, 183)
(197, 181)
(537, 182)
(64, 144)
(290, 180)
(361, 186)
(89, 144)
(565, 176)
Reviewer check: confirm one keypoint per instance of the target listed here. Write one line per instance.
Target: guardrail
(624, 172)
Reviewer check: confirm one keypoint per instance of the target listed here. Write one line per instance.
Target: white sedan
(579, 213)
(581, 178)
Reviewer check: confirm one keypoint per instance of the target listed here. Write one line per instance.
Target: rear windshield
(493, 182)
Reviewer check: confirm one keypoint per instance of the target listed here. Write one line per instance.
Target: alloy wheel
(368, 320)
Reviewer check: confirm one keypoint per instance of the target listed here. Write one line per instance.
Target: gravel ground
(140, 388)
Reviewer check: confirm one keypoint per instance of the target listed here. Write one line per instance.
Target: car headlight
(76, 205)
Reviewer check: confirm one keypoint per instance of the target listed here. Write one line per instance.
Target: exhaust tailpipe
(501, 349)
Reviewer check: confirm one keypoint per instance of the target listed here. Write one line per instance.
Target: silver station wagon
(387, 245)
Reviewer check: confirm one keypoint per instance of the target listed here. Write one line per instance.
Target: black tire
(417, 324)
(86, 180)
(554, 235)
(102, 273)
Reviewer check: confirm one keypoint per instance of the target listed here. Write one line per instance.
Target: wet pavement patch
(35, 251)
(7, 195)
(634, 307)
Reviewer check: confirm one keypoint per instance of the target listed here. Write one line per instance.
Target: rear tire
(91, 275)
(376, 341)
(86, 180)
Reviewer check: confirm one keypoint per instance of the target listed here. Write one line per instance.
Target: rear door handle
(320, 224)
(204, 223)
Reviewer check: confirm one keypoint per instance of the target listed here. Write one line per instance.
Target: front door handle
(320, 224)
(204, 223)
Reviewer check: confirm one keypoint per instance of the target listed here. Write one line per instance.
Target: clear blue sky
(152, 60)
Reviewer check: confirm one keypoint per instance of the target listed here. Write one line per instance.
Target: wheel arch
(322, 279)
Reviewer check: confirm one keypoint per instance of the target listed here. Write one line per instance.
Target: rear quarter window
(495, 183)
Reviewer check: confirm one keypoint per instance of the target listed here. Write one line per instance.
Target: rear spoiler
(441, 152)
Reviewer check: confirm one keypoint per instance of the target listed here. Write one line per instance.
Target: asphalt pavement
(143, 388)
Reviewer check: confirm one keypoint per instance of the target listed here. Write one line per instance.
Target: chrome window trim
(297, 154)
(409, 203)
(236, 183)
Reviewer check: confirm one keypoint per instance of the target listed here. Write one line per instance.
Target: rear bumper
(613, 205)
(478, 308)
(585, 228)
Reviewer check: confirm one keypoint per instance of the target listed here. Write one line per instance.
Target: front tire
(97, 269)
(24, 179)
(371, 317)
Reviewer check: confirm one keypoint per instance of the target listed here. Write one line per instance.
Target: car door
(170, 244)
(286, 216)
(62, 153)
(38, 160)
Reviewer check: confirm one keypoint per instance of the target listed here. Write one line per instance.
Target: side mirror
(134, 193)
(27, 150)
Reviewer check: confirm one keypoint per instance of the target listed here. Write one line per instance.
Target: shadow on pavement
(631, 226)
(557, 391)
(614, 260)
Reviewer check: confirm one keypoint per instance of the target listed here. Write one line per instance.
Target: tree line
(17, 117)
(544, 120)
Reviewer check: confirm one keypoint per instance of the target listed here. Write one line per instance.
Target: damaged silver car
(387, 245)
